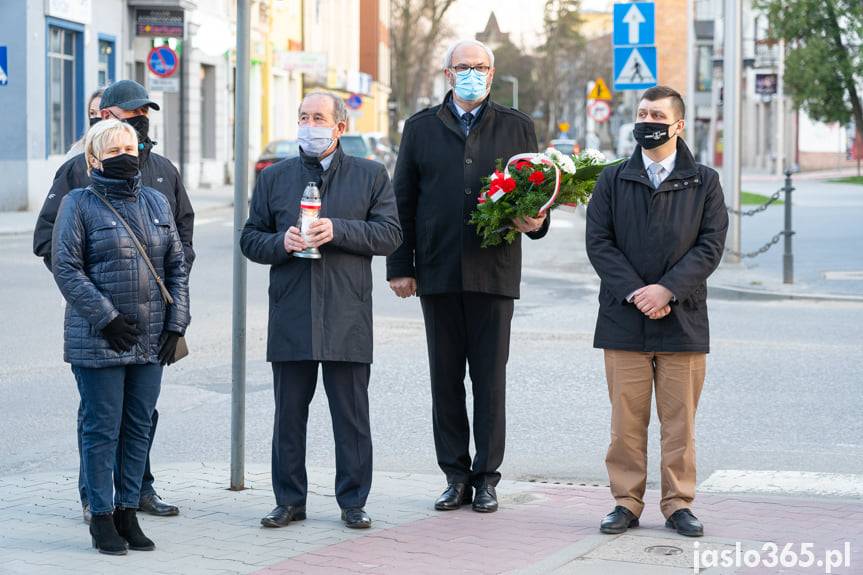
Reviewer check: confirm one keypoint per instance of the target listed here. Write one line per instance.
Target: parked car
(276, 151)
(565, 146)
(370, 145)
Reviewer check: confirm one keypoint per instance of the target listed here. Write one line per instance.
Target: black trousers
(346, 385)
(470, 328)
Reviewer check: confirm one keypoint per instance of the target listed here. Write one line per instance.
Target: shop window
(64, 85)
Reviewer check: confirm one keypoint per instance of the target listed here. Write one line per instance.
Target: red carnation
(508, 185)
(521, 165)
(537, 178)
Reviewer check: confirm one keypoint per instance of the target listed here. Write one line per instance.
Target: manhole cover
(663, 550)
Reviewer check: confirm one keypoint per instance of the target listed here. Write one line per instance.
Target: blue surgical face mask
(315, 140)
(470, 85)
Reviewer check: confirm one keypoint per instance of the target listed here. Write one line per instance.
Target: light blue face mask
(470, 85)
(315, 140)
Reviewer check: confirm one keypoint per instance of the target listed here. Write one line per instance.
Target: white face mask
(315, 140)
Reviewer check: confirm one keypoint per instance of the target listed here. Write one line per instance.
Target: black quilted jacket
(101, 274)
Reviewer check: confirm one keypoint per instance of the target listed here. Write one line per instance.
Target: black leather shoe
(618, 521)
(685, 523)
(485, 500)
(282, 515)
(153, 504)
(456, 495)
(356, 518)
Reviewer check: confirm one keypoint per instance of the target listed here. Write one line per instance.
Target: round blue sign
(162, 61)
(355, 101)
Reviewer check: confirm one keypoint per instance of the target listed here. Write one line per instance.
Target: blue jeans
(146, 482)
(117, 405)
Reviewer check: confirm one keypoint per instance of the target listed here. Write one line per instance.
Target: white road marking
(783, 482)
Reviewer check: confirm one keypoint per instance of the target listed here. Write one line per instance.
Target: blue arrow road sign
(3, 77)
(634, 67)
(634, 24)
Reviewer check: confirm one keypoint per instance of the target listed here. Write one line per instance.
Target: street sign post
(162, 61)
(634, 40)
(599, 110)
(4, 79)
(600, 91)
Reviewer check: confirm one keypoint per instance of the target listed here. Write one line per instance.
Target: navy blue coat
(673, 236)
(157, 172)
(322, 309)
(100, 273)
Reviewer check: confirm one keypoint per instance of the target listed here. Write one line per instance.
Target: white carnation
(566, 164)
(595, 155)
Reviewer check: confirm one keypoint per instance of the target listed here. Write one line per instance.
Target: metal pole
(241, 211)
(690, 77)
(514, 81)
(780, 110)
(733, 65)
(787, 256)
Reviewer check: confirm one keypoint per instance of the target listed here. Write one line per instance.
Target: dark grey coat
(101, 274)
(673, 236)
(322, 309)
(437, 180)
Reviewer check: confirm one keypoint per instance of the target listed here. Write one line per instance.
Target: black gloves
(121, 333)
(168, 346)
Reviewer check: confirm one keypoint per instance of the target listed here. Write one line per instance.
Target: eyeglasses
(462, 68)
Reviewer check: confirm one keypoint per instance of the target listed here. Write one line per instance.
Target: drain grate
(663, 550)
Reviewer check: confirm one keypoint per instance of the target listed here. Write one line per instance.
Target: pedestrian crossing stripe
(809, 483)
(634, 67)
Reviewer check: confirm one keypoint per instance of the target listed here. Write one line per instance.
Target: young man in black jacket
(127, 101)
(655, 231)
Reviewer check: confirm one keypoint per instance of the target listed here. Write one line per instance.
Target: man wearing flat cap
(128, 102)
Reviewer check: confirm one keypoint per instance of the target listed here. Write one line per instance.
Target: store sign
(73, 10)
(303, 62)
(765, 84)
(163, 23)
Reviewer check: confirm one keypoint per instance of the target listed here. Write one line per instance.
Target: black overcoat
(673, 236)
(437, 180)
(322, 309)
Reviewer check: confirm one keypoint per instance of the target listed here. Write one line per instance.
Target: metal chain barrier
(760, 208)
(760, 250)
(787, 256)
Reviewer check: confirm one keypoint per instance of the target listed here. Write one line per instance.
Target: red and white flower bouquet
(530, 185)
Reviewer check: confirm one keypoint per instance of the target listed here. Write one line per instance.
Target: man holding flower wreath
(466, 291)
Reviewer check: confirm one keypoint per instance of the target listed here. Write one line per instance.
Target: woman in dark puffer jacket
(118, 332)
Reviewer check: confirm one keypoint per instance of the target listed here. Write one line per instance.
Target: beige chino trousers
(677, 379)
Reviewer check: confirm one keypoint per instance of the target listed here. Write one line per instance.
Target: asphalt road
(783, 389)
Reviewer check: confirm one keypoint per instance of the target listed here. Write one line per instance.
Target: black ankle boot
(105, 536)
(126, 521)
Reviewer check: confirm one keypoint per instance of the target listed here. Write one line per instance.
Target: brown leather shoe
(618, 521)
(282, 515)
(455, 495)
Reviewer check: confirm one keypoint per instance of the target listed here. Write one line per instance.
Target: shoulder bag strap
(162, 288)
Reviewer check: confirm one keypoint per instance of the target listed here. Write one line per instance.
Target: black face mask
(651, 134)
(94, 121)
(141, 125)
(122, 167)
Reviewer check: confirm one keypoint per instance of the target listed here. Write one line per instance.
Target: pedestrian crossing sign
(634, 67)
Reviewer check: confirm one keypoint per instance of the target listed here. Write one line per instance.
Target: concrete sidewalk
(540, 528)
